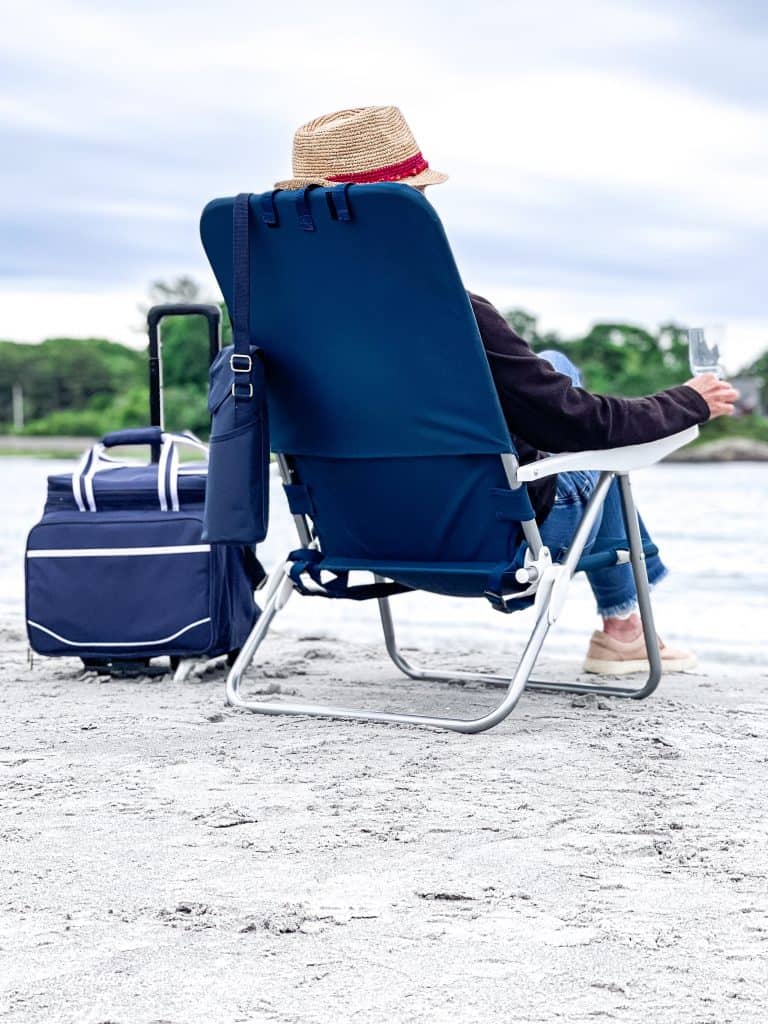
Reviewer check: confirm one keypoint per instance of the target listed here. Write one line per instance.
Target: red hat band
(391, 172)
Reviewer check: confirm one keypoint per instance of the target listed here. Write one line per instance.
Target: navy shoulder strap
(241, 277)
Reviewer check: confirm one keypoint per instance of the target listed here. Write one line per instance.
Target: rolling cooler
(117, 572)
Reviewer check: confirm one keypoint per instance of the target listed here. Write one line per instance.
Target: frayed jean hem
(630, 605)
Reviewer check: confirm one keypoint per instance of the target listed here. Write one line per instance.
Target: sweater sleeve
(546, 409)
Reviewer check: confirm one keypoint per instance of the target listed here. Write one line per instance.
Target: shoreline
(731, 449)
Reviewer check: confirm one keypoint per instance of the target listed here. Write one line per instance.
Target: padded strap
(241, 275)
(499, 578)
(133, 435)
(240, 361)
(308, 561)
(610, 556)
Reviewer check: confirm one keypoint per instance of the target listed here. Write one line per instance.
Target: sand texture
(169, 860)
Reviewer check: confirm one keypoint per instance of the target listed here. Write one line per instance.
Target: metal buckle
(240, 369)
(240, 394)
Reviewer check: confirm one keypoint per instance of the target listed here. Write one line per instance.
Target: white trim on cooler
(176, 549)
(118, 643)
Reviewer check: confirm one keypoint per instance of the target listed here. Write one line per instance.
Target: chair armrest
(616, 460)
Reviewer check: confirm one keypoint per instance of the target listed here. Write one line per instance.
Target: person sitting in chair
(544, 403)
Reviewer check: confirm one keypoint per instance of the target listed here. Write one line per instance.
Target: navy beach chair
(389, 436)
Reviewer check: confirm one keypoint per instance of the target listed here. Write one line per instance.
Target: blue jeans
(614, 587)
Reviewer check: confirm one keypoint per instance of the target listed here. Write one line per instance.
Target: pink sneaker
(608, 656)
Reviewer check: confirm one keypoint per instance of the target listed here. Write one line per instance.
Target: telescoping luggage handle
(155, 315)
(95, 460)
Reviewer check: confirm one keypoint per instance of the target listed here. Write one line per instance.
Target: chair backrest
(379, 389)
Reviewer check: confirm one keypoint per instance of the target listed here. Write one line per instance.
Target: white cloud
(562, 126)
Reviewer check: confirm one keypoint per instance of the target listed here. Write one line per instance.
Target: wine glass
(705, 345)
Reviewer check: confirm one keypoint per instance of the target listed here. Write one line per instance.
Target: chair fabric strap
(299, 500)
(338, 202)
(308, 562)
(302, 208)
(253, 567)
(499, 580)
(513, 506)
(610, 555)
(269, 209)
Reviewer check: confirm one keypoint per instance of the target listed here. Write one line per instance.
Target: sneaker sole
(626, 668)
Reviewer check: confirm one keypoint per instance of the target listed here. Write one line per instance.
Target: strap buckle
(239, 368)
(237, 384)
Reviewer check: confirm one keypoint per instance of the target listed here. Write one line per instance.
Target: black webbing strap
(253, 568)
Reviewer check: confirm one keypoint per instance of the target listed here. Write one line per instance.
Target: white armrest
(617, 460)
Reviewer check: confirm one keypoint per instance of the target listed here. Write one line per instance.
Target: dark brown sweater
(545, 412)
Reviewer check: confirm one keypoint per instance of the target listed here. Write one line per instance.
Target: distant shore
(731, 449)
(44, 447)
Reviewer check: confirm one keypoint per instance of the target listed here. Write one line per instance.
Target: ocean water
(710, 522)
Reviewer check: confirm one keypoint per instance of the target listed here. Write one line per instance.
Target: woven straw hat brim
(426, 177)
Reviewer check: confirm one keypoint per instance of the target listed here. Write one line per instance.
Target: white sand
(168, 860)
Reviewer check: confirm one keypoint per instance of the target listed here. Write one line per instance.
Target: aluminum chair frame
(551, 589)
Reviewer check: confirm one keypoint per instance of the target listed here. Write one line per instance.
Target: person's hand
(718, 394)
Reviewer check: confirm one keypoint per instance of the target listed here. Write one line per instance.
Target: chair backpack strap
(308, 562)
(240, 360)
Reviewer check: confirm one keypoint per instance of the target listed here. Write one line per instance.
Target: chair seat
(461, 579)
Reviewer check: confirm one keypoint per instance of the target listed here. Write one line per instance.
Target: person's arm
(544, 407)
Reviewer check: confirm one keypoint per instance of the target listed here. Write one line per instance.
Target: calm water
(709, 521)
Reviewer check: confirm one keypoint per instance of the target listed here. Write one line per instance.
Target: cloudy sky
(607, 159)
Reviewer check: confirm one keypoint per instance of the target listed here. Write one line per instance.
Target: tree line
(88, 386)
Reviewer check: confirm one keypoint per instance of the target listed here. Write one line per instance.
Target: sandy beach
(166, 859)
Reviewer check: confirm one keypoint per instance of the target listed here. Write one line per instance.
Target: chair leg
(637, 561)
(281, 588)
(277, 596)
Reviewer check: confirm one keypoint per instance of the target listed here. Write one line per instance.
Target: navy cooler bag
(117, 570)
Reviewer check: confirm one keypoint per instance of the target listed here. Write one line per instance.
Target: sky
(607, 160)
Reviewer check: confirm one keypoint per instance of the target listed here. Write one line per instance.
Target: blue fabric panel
(132, 604)
(371, 347)
(440, 510)
(512, 506)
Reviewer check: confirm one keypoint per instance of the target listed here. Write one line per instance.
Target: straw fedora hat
(362, 145)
